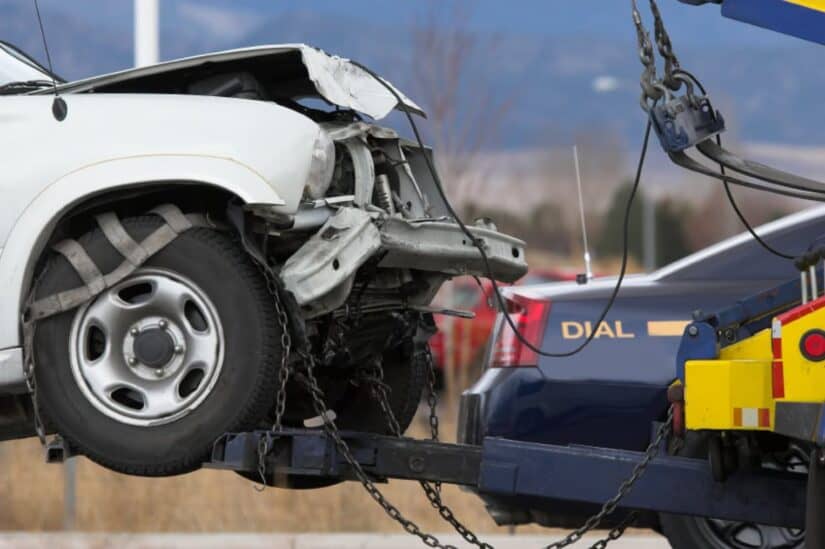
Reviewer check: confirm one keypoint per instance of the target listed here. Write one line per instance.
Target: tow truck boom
(803, 19)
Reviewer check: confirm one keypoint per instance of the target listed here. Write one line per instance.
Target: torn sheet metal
(331, 256)
(342, 83)
(336, 79)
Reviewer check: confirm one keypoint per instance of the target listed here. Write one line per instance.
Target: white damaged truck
(167, 231)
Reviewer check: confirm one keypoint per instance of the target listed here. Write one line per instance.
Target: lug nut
(134, 331)
(163, 324)
(132, 361)
(178, 349)
(159, 372)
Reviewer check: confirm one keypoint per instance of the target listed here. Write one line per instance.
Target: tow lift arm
(801, 18)
(528, 470)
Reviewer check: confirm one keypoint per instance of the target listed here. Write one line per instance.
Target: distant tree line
(681, 227)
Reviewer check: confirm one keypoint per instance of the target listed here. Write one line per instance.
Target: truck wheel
(405, 373)
(684, 532)
(144, 378)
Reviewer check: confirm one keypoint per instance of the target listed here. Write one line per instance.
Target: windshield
(16, 66)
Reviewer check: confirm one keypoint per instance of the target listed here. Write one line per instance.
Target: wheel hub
(154, 347)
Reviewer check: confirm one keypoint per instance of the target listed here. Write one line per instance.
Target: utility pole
(147, 41)
(70, 494)
(649, 233)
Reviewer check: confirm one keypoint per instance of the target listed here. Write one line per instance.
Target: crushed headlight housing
(322, 167)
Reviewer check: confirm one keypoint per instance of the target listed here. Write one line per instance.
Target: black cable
(744, 221)
(728, 191)
(488, 270)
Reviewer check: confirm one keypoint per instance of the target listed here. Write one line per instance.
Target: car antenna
(59, 107)
(584, 277)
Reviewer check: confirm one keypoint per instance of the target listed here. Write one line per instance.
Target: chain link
(29, 330)
(284, 372)
(665, 49)
(651, 87)
(432, 394)
(432, 400)
(432, 490)
(29, 327)
(611, 504)
(317, 397)
(616, 532)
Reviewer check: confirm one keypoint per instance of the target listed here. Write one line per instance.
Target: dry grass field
(31, 498)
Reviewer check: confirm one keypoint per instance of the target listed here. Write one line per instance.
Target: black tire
(686, 532)
(405, 372)
(243, 391)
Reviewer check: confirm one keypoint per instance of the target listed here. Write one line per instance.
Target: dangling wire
(729, 192)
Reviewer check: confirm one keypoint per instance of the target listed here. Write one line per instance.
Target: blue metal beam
(670, 484)
(782, 16)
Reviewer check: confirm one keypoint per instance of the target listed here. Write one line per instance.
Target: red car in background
(466, 338)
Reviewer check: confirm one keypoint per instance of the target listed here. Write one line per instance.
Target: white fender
(34, 226)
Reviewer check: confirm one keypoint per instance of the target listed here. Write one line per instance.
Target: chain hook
(648, 79)
(665, 49)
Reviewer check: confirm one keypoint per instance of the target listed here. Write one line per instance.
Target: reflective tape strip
(751, 417)
(666, 328)
(778, 379)
(777, 366)
(764, 417)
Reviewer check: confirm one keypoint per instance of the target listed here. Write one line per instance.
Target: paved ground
(285, 541)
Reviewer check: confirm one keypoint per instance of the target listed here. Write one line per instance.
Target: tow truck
(752, 370)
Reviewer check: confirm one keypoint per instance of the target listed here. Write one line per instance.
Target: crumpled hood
(336, 79)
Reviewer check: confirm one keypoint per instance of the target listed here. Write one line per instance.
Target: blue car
(609, 394)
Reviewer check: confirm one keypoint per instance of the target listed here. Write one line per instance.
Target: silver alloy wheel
(149, 350)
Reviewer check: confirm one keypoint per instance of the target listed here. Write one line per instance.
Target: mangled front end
(380, 237)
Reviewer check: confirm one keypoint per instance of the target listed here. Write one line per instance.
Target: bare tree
(465, 112)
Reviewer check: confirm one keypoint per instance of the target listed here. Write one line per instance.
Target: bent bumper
(442, 246)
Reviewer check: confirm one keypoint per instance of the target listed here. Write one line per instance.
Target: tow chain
(665, 49)
(284, 371)
(379, 390)
(611, 504)
(673, 78)
(331, 430)
(307, 377)
(432, 490)
(651, 87)
(29, 327)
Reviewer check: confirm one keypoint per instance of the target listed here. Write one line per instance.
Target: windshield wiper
(13, 88)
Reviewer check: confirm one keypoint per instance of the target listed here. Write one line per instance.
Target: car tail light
(812, 345)
(530, 317)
